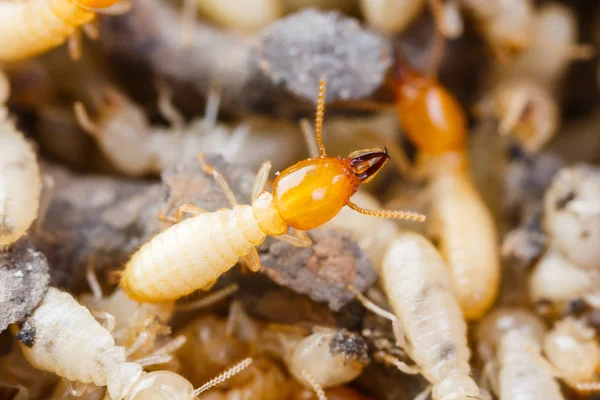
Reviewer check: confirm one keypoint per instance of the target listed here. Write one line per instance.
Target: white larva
(31, 27)
(419, 288)
(572, 214)
(20, 184)
(71, 343)
(522, 376)
(572, 348)
(556, 279)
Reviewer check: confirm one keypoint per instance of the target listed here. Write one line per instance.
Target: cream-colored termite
(323, 359)
(193, 253)
(64, 338)
(508, 341)
(556, 280)
(34, 26)
(136, 148)
(572, 349)
(20, 184)
(572, 215)
(428, 321)
(505, 24)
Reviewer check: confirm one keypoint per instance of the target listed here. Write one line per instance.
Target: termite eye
(366, 163)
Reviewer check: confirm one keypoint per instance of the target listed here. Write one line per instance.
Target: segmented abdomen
(418, 286)
(468, 241)
(31, 27)
(191, 255)
(20, 184)
(522, 377)
(70, 342)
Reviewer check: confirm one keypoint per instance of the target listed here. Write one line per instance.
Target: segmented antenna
(319, 117)
(236, 369)
(408, 215)
(315, 386)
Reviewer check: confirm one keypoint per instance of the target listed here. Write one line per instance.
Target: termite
(556, 280)
(62, 336)
(428, 320)
(508, 341)
(34, 26)
(20, 183)
(506, 25)
(136, 148)
(572, 214)
(572, 349)
(435, 122)
(193, 253)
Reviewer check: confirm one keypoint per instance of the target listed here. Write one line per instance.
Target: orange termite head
(313, 191)
(430, 115)
(96, 3)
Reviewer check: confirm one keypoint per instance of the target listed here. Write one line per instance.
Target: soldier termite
(63, 337)
(20, 183)
(34, 26)
(435, 122)
(193, 253)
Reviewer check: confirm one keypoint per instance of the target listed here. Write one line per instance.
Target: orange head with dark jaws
(313, 191)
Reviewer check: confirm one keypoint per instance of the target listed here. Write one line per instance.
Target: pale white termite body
(572, 349)
(467, 236)
(505, 24)
(419, 288)
(572, 215)
(240, 15)
(34, 26)
(20, 184)
(556, 279)
(137, 148)
(522, 376)
(69, 342)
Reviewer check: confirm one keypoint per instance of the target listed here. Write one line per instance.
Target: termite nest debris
(191, 203)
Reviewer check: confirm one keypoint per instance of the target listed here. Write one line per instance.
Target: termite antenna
(209, 299)
(84, 120)
(319, 117)
(407, 215)
(236, 369)
(315, 386)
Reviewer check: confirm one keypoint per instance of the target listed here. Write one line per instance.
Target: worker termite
(323, 359)
(509, 342)
(136, 148)
(63, 337)
(34, 26)
(434, 121)
(572, 215)
(428, 321)
(193, 253)
(556, 280)
(572, 349)
(505, 24)
(20, 183)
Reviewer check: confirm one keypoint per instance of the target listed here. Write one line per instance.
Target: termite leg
(209, 299)
(545, 363)
(209, 169)
(211, 112)
(45, 200)
(154, 360)
(309, 138)
(188, 22)
(139, 341)
(108, 319)
(92, 279)
(84, 120)
(261, 179)
(424, 394)
(515, 111)
(74, 45)
(252, 260)
(401, 365)
(315, 386)
(166, 107)
(91, 30)
(489, 377)
(183, 209)
(298, 239)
